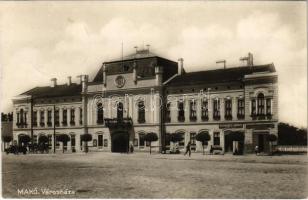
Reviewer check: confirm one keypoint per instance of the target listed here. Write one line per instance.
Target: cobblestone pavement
(140, 175)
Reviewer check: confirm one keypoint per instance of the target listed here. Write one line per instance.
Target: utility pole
(54, 128)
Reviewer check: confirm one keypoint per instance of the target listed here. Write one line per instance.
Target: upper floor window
(268, 106)
(261, 104)
(181, 112)
(228, 109)
(80, 116)
(49, 118)
(216, 106)
(193, 110)
(120, 111)
(141, 112)
(100, 113)
(42, 118)
(57, 118)
(64, 114)
(168, 114)
(35, 118)
(240, 109)
(204, 110)
(72, 120)
(21, 119)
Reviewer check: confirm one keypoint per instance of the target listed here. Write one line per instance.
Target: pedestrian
(188, 149)
(131, 148)
(257, 150)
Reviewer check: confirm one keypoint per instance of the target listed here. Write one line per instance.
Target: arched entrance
(120, 141)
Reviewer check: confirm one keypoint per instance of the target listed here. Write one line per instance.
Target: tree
(6, 139)
(86, 138)
(291, 135)
(271, 139)
(64, 139)
(24, 139)
(203, 137)
(43, 141)
(151, 137)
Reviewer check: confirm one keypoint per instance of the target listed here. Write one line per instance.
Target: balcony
(216, 117)
(168, 119)
(118, 122)
(181, 118)
(42, 124)
(205, 118)
(49, 124)
(261, 116)
(57, 123)
(100, 121)
(72, 123)
(228, 117)
(64, 123)
(193, 118)
(240, 116)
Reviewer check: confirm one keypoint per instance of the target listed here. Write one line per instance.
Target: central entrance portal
(120, 142)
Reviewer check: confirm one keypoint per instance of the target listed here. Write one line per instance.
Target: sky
(42, 40)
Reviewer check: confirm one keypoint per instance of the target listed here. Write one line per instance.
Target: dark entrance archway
(120, 141)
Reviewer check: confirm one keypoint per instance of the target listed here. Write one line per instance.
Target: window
(80, 142)
(204, 110)
(72, 120)
(141, 112)
(240, 109)
(253, 107)
(49, 141)
(80, 116)
(49, 118)
(100, 113)
(57, 142)
(42, 118)
(95, 143)
(228, 109)
(216, 138)
(193, 140)
(216, 114)
(193, 112)
(64, 114)
(141, 139)
(268, 106)
(57, 118)
(21, 115)
(100, 141)
(136, 142)
(182, 142)
(260, 104)
(181, 114)
(73, 141)
(34, 118)
(34, 139)
(168, 116)
(105, 142)
(120, 111)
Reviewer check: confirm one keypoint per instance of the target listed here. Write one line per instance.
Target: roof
(137, 55)
(219, 75)
(57, 91)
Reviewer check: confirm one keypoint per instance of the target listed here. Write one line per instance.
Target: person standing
(256, 150)
(188, 150)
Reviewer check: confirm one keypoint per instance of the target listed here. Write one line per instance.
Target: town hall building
(142, 93)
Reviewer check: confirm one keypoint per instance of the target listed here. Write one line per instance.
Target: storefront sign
(230, 125)
(260, 126)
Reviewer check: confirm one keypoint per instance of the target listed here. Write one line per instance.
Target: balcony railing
(72, 123)
(205, 118)
(42, 124)
(64, 123)
(240, 116)
(118, 122)
(228, 117)
(193, 118)
(181, 118)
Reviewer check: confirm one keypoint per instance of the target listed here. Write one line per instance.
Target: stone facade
(144, 93)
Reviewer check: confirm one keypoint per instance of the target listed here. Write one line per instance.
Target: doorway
(120, 142)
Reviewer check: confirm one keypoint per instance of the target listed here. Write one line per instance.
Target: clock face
(119, 81)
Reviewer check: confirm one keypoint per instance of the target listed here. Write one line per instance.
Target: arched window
(100, 113)
(141, 112)
(120, 111)
(261, 104)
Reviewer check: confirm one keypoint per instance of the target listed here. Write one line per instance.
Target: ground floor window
(57, 143)
(73, 141)
(182, 142)
(49, 141)
(100, 141)
(136, 142)
(216, 139)
(141, 140)
(105, 142)
(94, 143)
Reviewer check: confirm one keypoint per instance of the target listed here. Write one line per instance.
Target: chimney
(180, 66)
(53, 82)
(69, 80)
